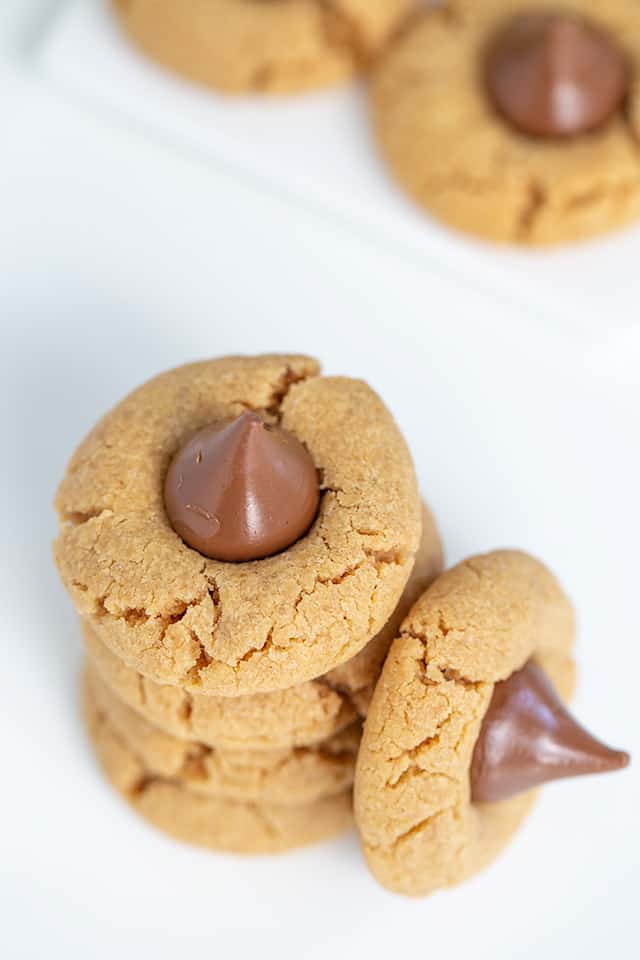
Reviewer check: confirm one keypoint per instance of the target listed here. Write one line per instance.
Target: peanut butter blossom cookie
(514, 121)
(241, 525)
(466, 720)
(270, 46)
(299, 716)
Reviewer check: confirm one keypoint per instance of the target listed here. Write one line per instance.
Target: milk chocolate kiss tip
(241, 490)
(528, 738)
(555, 74)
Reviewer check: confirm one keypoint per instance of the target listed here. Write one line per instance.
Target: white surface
(120, 258)
(318, 150)
(23, 23)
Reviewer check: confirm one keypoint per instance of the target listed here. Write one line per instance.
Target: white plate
(317, 149)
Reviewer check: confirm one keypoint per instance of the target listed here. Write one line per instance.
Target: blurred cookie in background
(263, 46)
(516, 123)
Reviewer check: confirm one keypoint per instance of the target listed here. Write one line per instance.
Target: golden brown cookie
(206, 821)
(299, 716)
(475, 626)
(236, 628)
(468, 167)
(267, 46)
(288, 777)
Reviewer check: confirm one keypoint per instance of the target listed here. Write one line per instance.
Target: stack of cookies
(241, 538)
(255, 575)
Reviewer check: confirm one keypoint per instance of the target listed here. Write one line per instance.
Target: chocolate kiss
(554, 74)
(241, 490)
(528, 738)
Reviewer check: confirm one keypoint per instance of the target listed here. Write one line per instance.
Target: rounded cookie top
(207, 821)
(288, 777)
(277, 46)
(474, 627)
(449, 147)
(298, 716)
(237, 628)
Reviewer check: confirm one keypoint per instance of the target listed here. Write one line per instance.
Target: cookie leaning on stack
(260, 626)
(467, 720)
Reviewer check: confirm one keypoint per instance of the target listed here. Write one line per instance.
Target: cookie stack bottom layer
(203, 818)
